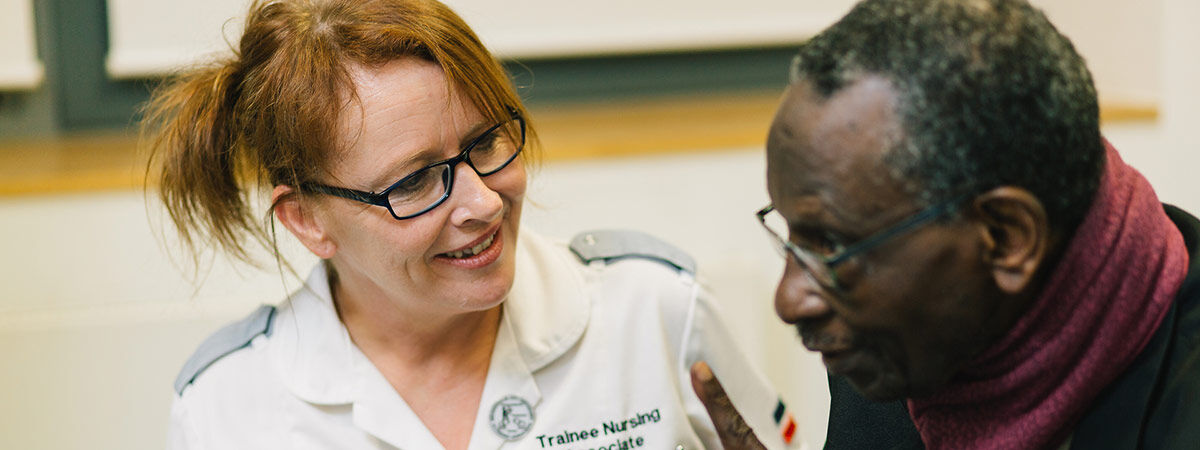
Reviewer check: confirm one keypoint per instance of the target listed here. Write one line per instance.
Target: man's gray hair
(989, 94)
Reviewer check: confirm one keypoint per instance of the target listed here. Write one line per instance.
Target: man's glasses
(430, 186)
(820, 265)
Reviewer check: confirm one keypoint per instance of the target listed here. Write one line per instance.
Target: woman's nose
(473, 199)
(798, 296)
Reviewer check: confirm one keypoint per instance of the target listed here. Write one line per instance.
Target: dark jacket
(1155, 404)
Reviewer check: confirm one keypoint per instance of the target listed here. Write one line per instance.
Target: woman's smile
(480, 253)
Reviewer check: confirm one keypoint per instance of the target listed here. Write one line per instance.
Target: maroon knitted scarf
(1099, 309)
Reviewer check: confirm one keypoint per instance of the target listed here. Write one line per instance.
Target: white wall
(1120, 38)
(1166, 150)
(1180, 106)
(152, 37)
(1121, 41)
(20, 68)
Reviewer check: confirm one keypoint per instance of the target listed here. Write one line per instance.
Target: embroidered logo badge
(511, 417)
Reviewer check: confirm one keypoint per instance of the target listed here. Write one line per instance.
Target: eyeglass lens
(817, 268)
(488, 154)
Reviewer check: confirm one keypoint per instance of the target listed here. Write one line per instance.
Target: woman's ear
(297, 216)
(1016, 235)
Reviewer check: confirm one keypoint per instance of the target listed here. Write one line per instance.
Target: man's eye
(819, 242)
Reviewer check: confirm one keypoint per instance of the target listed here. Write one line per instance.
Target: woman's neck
(438, 363)
(416, 336)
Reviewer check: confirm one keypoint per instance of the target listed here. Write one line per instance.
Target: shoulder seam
(614, 245)
(228, 339)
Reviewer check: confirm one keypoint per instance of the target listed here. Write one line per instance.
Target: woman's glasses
(430, 186)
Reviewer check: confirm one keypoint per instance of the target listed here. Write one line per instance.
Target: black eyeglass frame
(826, 276)
(381, 198)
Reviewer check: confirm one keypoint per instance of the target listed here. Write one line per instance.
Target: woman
(392, 144)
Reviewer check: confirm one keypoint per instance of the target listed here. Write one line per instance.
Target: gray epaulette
(227, 340)
(612, 245)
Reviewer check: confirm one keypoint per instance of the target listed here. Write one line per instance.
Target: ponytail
(203, 174)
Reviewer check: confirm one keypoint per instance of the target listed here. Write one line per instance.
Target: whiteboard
(20, 68)
(153, 37)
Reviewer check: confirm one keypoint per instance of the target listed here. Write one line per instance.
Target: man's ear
(1016, 235)
(297, 217)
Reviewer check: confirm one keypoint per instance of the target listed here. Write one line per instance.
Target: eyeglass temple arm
(902, 227)
(352, 194)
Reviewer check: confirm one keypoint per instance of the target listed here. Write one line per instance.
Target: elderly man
(963, 246)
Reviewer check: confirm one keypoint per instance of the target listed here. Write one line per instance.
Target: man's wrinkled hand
(734, 432)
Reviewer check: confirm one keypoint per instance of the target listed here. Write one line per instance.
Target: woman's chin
(485, 298)
(478, 294)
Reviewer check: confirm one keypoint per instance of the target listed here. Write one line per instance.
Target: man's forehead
(833, 148)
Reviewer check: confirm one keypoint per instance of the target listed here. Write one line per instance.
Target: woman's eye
(485, 144)
(415, 183)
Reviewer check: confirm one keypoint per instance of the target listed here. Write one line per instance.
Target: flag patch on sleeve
(785, 422)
